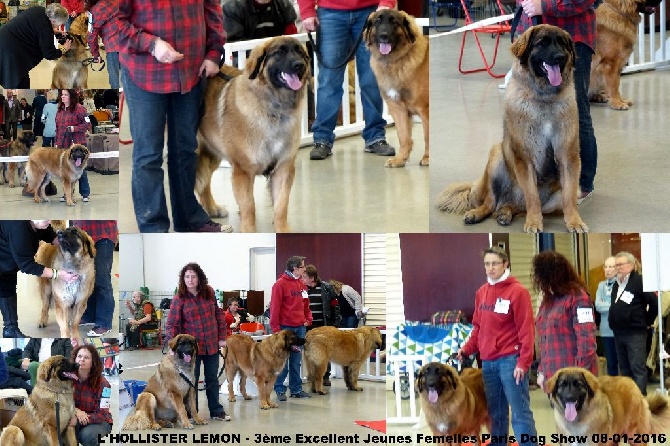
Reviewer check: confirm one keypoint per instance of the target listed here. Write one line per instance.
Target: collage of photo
(170, 272)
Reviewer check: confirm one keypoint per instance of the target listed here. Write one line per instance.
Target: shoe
(320, 152)
(84, 199)
(220, 417)
(281, 396)
(97, 332)
(326, 382)
(82, 323)
(130, 349)
(380, 148)
(212, 226)
(62, 199)
(583, 196)
(301, 394)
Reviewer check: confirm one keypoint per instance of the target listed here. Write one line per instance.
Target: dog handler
(19, 240)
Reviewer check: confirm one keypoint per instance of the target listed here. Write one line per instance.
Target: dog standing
(70, 71)
(19, 147)
(66, 164)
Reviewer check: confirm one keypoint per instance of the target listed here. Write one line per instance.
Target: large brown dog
(70, 71)
(68, 165)
(399, 59)
(452, 404)
(253, 121)
(19, 147)
(349, 348)
(162, 401)
(263, 360)
(536, 167)
(35, 423)
(617, 23)
(606, 406)
(75, 253)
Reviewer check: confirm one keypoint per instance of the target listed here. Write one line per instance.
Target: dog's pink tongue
(77, 162)
(292, 80)
(554, 73)
(384, 48)
(187, 358)
(432, 396)
(570, 411)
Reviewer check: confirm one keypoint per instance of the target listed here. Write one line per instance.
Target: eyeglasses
(487, 264)
(621, 264)
(301, 267)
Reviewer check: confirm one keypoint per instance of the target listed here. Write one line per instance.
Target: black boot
(10, 318)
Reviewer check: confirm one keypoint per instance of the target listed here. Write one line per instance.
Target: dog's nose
(298, 65)
(558, 58)
(383, 36)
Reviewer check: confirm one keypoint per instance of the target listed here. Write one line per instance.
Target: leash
(57, 404)
(350, 56)
(535, 20)
(190, 383)
(91, 60)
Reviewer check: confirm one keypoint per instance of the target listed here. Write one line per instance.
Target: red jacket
(495, 335)
(73, 6)
(289, 304)
(308, 7)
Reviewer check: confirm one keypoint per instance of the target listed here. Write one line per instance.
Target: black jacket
(633, 317)
(331, 306)
(18, 245)
(60, 346)
(241, 19)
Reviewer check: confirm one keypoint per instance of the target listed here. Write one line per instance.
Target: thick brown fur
(69, 71)
(402, 75)
(35, 423)
(262, 360)
(349, 348)
(167, 394)
(19, 147)
(253, 121)
(536, 167)
(606, 405)
(67, 164)
(75, 253)
(617, 22)
(459, 405)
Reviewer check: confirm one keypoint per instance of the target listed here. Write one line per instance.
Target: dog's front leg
(281, 182)
(68, 189)
(178, 405)
(71, 436)
(243, 189)
(190, 398)
(527, 179)
(569, 172)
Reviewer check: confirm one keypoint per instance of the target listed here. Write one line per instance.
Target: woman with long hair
(72, 122)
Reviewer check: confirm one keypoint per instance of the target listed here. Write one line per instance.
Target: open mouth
(291, 80)
(187, 358)
(571, 411)
(71, 375)
(553, 73)
(433, 395)
(78, 161)
(385, 48)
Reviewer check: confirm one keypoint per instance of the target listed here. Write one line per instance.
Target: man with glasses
(631, 313)
(289, 310)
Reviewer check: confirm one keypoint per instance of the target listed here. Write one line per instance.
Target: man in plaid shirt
(578, 18)
(168, 46)
(100, 308)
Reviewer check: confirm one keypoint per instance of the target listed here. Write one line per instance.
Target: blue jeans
(631, 351)
(610, 355)
(100, 308)
(48, 141)
(211, 365)
(84, 186)
(113, 68)
(149, 113)
(292, 367)
(349, 322)
(588, 148)
(338, 33)
(88, 435)
(502, 392)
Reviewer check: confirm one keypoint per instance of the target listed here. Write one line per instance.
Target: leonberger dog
(35, 423)
(75, 253)
(617, 22)
(399, 60)
(252, 119)
(263, 360)
(19, 147)
(47, 162)
(536, 167)
(607, 406)
(168, 393)
(70, 71)
(452, 404)
(349, 348)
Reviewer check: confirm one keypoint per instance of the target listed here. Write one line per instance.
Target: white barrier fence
(98, 155)
(653, 49)
(237, 52)
(409, 363)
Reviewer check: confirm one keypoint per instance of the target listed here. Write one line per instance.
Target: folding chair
(155, 335)
(446, 8)
(476, 10)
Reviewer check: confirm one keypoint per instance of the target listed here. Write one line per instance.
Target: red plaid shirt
(105, 25)
(192, 27)
(98, 229)
(64, 119)
(200, 317)
(566, 338)
(87, 398)
(577, 17)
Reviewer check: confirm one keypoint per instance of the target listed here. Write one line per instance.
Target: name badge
(502, 306)
(304, 294)
(627, 297)
(104, 400)
(584, 315)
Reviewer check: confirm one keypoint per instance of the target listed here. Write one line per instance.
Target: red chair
(473, 13)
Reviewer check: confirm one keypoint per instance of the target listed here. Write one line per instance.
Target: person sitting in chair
(143, 316)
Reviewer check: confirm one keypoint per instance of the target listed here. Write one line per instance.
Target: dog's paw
(619, 105)
(42, 325)
(577, 226)
(532, 228)
(424, 161)
(471, 217)
(232, 399)
(200, 422)
(321, 392)
(395, 162)
(599, 98)
(265, 406)
(11, 185)
(218, 212)
(156, 426)
(504, 218)
(247, 397)
(188, 425)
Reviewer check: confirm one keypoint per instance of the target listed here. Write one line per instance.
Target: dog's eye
(378, 20)
(281, 50)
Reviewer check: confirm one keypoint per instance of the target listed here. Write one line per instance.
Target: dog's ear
(449, 374)
(569, 45)
(51, 371)
(172, 345)
(590, 385)
(407, 27)
(420, 380)
(256, 62)
(523, 44)
(368, 27)
(89, 247)
(550, 386)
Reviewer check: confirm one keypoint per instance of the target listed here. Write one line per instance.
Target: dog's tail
(659, 406)
(12, 436)
(456, 198)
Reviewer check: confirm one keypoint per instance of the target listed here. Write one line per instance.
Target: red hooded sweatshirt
(503, 323)
(289, 304)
